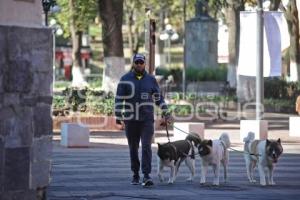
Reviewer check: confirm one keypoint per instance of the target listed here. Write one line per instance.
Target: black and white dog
(264, 153)
(214, 153)
(174, 153)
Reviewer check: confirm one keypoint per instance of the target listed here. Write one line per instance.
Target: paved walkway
(103, 172)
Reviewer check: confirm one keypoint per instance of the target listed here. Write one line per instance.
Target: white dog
(214, 152)
(265, 153)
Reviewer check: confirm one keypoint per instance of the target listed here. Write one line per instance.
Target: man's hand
(167, 119)
(120, 124)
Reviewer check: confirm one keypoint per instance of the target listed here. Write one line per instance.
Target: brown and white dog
(214, 153)
(264, 153)
(174, 153)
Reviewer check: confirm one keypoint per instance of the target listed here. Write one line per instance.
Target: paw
(202, 182)
(263, 183)
(216, 183)
(272, 183)
(170, 181)
(161, 178)
(189, 179)
(252, 181)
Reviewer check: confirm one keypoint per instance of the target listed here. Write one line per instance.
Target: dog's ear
(279, 141)
(268, 142)
(209, 142)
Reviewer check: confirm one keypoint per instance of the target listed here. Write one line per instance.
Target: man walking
(136, 94)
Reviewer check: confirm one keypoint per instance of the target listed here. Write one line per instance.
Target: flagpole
(259, 62)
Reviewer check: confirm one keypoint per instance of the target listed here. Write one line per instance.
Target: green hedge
(280, 105)
(84, 100)
(194, 74)
(279, 95)
(277, 88)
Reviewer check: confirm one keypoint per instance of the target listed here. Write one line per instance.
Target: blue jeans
(137, 131)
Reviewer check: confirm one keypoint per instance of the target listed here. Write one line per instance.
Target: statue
(201, 8)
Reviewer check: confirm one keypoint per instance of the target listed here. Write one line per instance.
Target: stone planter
(93, 122)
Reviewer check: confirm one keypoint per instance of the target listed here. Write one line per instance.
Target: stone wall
(21, 12)
(25, 105)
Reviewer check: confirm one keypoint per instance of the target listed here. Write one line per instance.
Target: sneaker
(135, 180)
(147, 182)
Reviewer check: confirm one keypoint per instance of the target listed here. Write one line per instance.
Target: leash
(243, 152)
(181, 130)
(167, 130)
(169, 141)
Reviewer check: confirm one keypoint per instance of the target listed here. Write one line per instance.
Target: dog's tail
(225, 139)
(250, 137)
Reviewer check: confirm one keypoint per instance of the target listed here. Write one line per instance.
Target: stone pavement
(103, 171)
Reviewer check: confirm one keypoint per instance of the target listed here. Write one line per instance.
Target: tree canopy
(85, 11)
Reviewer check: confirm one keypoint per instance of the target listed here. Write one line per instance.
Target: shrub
(206, 74)
(280, 105)
(277, 88)
(58, 102)
(95, 83)
(61, 84)
(162, 71)
(194, 74)
(191, 74)
(177, 74)
(99, 102)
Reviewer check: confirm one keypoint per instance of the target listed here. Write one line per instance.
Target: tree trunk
(137, 40)
(291, 14)
(130, 32)
(233, 22)
(274, 6)
(77, 76)
(76, 47)
(111, 14)
(129, 13)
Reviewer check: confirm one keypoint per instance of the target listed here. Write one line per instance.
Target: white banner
(274, 41)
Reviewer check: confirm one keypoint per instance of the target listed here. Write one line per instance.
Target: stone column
(25, 100)
(246, 90)
(201, 36)
(25, 111)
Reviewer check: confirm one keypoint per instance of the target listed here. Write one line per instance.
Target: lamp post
(47, 6)
(184, 51)
(56, 30)
(167, 35)
(50, 5)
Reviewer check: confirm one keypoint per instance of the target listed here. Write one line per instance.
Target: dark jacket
(135, 98)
